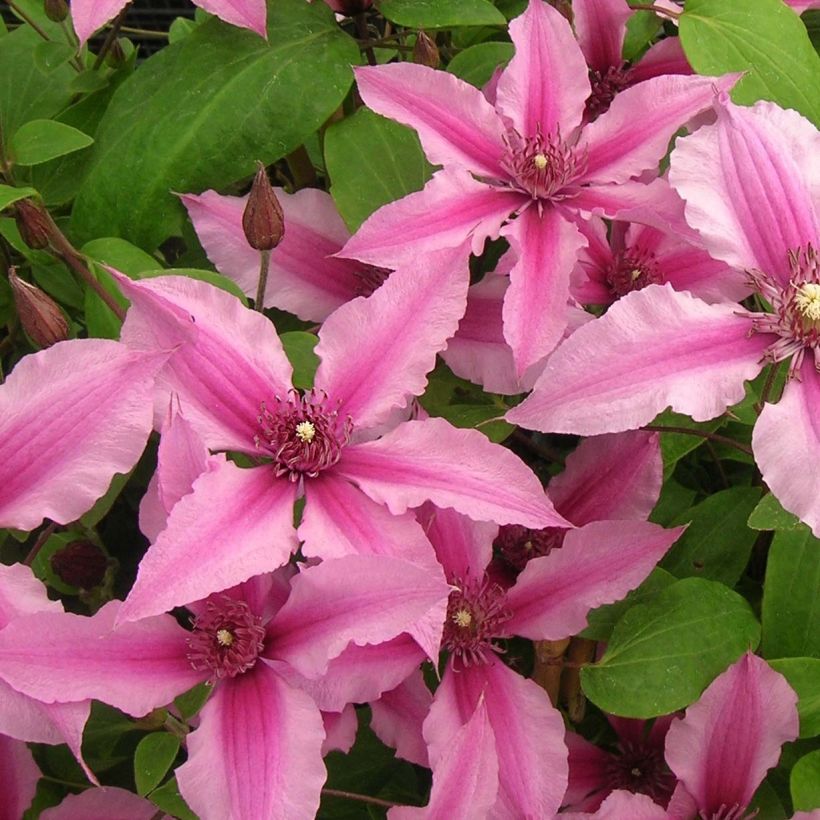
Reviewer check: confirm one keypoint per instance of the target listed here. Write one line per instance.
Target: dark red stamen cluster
(541, 166)
(632, 269)
(605, 85)
(517, 544)
(641, 768)
(370, 278)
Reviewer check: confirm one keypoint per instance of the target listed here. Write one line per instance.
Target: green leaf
(803, 675)
(105, 502)
(189, 703)
(299, 350)
(154, 756)
(664, 653)
(372, 161)
(770, 515)
(209, 276)
(476, 64)
(9, 195)
(41, 140)
(180, 29)
(168, 798)
(478, 416)
(200, 113)
(762, 37)
(674, 501)
(435, 14)
(49, 55)
(641, 29)
(674, 446)
(805, 782)
(88, 82)
(791, 594)
(717, 543)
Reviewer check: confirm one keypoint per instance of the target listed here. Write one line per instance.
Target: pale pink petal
(535, 306)
(304, 277)
(802, 5)
(234, 524)
(21, 593)
(653, 349)
(374, 356)
(728, 740)
(64, 657)
(250, 14)
(108, 803)
(600, 26)
(465, 780)
(750, 183)
(623, 804)
(464, 547)
(227, 359)
(682, 805)
(364, 599)
(430, 460)
(545, 86)
(340, 730)
(398, 716)
(786, 444)
(69, 720)
(598, 564)
(19, 775)
(615, 476)
(89, 15)
(663, 57)
(617, 150)
(27, 719)
(257, 752)
(71, 417)
(455, 123)
(450, 209)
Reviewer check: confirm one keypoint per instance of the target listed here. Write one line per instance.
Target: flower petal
(19, 775)
(663, 57)
(728, 740)
(600, 26)
(340, 730)
(430, 460)
(653, 349)
(71, 416)
(398, 715)
(621, 804)
(588, 774)
(21, 593)
(89, 15)
(455, 123)
(107, 803)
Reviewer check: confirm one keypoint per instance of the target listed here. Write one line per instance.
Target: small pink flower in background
(106, 803)
(621, 805)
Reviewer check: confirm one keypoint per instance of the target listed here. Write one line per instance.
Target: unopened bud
(81, 564)
(263, 220)
(349, 7)
(56, 10)
(33, 224)
(40, 316)
(116, 54)
(425, 51)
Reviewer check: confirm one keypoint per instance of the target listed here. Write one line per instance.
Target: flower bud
(81, 564)
(349, 7)
(263, 220)
(116, 54)
(425, 51)
(33, 224)
(40, 316)
(56, 10)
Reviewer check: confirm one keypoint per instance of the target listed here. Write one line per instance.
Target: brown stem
(112, 35)
(301, 168)
(549, 659)
(363, 34)
(715, 437)
(656, 9)
(38, 544)
(581, 652)
(72, 41)
(361, 798)
(767, 387)
(264, 267)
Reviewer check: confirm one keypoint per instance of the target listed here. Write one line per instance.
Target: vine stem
(363, 34)
(767, 387)
(656, 9)
(361, 798)
(29, 21)
(264, 267)
(110, 37)
(38, 544)
(715, 437)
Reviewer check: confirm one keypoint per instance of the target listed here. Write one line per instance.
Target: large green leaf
(372, 161)
(761, 37)
(39, 141)
(791, 596)
(440, 14)
(200, 113)
(805, 782)
(663, 654)
(803, 675)
(770, 515)
(153, 758)
(476, 64)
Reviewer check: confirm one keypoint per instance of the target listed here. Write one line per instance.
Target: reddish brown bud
(56, 10)
(81, 564)
(40, 316)
(349, 7)
(425, 51)
(33, 224)
(263, 220)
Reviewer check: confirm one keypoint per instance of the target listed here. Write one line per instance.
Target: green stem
(767, 387)
(361, 798)
(264, 267)
(688, 431)
(112, 35)
(38, 544)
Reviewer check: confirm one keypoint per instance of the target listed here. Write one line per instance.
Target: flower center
(302, 435)
(632, 269)
(476, 613)
(518, 544)
(640, 768)
(604, 88)
(540, 166)
(227, 638)
(370, 279)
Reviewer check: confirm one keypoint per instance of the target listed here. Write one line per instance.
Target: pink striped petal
(89, 15)
(633, 135)
(233, 525)
(430, 460)
(653, 349)
(786, 443)
(616, 476)
(622, 804)
(64, 657)
(600, 26)
(257, 752)
(663, 57)
(304, 277)
(452, 208)
(21, 593)
(455, 123)
(340, 730)
(227, 359)
(750, 183)
(398, 715)
(374, 357)
(598, 564)
(250, 14)
(728, 740)
(464, 547)
(545, 86)
(535, 306)
(19, 775)
(364, 599)
(108, 803)
(71, 417)
(589, 774)
(27, 719)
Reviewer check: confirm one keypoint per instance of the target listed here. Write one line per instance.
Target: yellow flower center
(540, 161)
(224, 637)
(305, 431)
(807, 301)
(463, 618)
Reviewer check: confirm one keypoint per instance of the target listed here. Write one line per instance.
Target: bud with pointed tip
(81, 564)
(263, 221)
(116, 54)
(33, 224)
(425, 51)
(56, 10)
(40, 316)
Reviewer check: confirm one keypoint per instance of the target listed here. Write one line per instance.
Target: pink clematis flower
(233, 383)
(258, 749)
(532, 156)
(107, 803)
(71, 416)
(750, 183)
